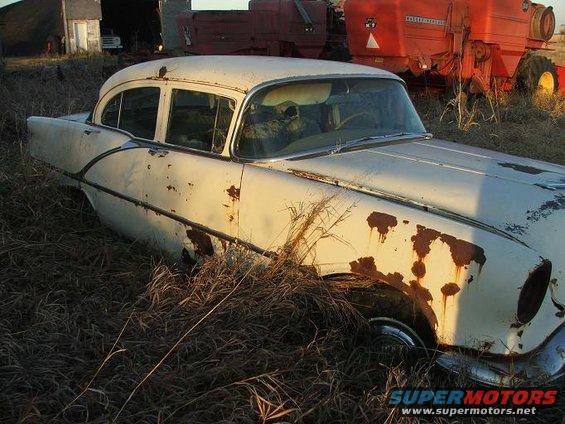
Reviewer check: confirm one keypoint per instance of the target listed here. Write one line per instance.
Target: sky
(558, 5)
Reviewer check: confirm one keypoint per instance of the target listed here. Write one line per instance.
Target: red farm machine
(484, 44)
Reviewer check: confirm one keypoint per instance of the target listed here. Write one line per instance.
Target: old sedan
(193, 154)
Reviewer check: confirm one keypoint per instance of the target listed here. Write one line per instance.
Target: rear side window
(199, 121)
(134, 111)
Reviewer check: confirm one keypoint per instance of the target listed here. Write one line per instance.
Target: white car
(195, 153)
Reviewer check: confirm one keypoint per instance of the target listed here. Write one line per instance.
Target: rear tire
(537, 75)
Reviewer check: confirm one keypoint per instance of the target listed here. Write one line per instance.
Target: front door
(81, 36)
(192, 189)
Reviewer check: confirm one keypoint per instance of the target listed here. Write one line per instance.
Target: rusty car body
(196, 153)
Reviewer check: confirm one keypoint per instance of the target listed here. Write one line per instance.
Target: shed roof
(241, 73)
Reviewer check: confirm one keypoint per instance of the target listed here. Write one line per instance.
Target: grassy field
(94, 328)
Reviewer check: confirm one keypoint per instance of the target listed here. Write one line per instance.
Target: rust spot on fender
(463, 252)
(423, 240)
(383, 223)
(234, 192)
(170, 187)
(450, 289)
(406, 222)
(419, 269)
(201, 241)
(367, 267)
(545, 210)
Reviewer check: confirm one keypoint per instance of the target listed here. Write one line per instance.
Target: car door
(113, 179)
(191, 186)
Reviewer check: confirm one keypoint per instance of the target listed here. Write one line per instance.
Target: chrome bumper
(543, 366)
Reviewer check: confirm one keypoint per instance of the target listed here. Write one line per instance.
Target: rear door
(192, 187)
(127, 124)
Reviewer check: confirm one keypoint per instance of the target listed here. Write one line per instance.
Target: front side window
(134, 111)
(199, 121)
(308, 116)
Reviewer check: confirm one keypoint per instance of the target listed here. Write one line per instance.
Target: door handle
(89, 131)
(158, 152)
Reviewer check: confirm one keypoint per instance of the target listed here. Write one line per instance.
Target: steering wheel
(352, 117)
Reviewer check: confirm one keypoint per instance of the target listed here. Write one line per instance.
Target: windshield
(297, 118)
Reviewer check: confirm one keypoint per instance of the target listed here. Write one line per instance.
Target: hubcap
(546, 83)
(393, 335)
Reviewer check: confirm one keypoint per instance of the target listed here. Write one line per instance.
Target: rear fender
(57, 142)
(69, 145)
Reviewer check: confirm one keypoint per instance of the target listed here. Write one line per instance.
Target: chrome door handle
(159, 152)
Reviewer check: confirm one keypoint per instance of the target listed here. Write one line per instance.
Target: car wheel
(398, 328)
(395, 339)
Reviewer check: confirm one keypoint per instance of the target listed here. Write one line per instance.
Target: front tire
(398, 327)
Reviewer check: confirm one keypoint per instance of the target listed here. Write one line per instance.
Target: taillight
(533, 292)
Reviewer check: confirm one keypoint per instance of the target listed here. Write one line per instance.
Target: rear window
(134, 111)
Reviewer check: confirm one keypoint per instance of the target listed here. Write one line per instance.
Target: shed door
(81, 35)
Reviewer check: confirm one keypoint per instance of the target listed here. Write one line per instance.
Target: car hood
(510, 195)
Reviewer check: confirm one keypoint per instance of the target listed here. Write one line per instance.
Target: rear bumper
(545, 365)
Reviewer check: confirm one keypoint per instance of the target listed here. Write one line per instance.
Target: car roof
(242, 73)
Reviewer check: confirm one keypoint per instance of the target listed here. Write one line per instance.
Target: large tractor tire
(537, 75)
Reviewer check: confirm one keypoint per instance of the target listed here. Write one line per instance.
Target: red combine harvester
(485, 44)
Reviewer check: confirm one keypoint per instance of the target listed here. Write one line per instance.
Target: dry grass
(509, 123)
(93, 328)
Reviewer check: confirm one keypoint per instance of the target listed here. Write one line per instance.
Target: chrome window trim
(295, 156)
